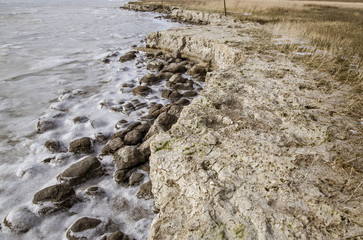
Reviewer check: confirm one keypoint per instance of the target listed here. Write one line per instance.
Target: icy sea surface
(51, 67)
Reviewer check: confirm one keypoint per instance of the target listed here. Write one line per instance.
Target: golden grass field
(333, 30)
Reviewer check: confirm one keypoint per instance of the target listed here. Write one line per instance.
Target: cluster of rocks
(180, 80)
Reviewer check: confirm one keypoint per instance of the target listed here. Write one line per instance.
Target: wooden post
(225, 10)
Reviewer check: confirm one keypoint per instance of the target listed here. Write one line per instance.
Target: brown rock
(44, 125)
(133, 137)
(145, 191)
(87, 168)
(59, 194)
(175, 95)
(141, 90)
(155, 110)
(118, 236)
(81, 145)
(135, 178)
(174, 68)
(120, 175)
(197, 70)
(55, 146)
(190, 94)
(166, 93)
(128, 56)
(128, 157)
(155, 66)
(149, 79)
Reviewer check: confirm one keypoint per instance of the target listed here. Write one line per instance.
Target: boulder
(183, 102)
(133, 137)
(177, 78)
(166, 93)
(162, 124)
(144, 148)
(112, 146)
(61, 195)
(128, 56)
(55, 146)
(174, 96)
(197, 70)
(145, 191)
(149, 79)
(120, 175)
(82, 145)
(164, 75)
(128, 157)
(141, 90)
(94, 191)
(174, 68)
(190, 94)
(155, 66)
(135, 178)
(44, 125)
(117, 236)
(181, 86)
(79, 172)
(143, 128)
(80, 119)
(20, 220)
(87, 228)
(155, 110)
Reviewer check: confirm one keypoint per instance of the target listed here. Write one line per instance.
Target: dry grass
(331, 33)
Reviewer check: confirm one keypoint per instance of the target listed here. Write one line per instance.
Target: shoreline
(263, 150)
(88, 161)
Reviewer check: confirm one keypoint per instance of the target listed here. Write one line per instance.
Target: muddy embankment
(264, 152)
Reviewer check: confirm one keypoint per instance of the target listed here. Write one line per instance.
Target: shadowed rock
(174, 68)
(44, 125)
(135, 178)
(117, 236)
(112, 146)
(162, 124)
(81, 171)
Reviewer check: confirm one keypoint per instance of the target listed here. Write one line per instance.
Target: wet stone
(128, 56)
(197, 70)
(135, 178)
(60, 194)
(155, 66)
(149, 79)
(112, 146)
(190, 94)
(183, 102)
(120, 175)
(128, 157)
(164, 75)
(79, 172)
(145, 191)
(141, 90)
(177, 78)
(117, 236)
(55, 146)
(94, 191)
(81, 145)
(155, 110)
(166, 93)
(174, 68)
(80, 119)
(133, 137)
(174, 96)
(143, 128)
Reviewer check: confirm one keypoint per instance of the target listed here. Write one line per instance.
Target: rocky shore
(250, 145)
(266, 151)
